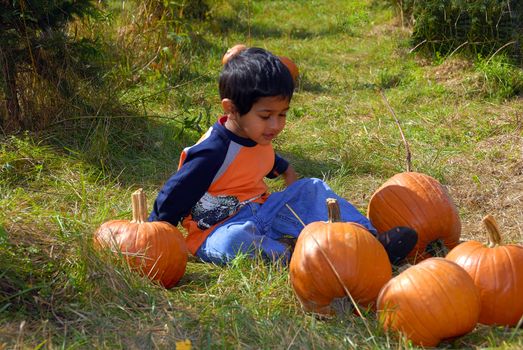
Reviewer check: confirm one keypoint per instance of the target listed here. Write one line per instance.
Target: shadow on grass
(200, 275)
(324, 169)
(128, 149)
(144, 151)
(227, 25)
(308, 85)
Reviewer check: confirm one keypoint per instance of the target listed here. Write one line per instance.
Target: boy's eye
(265, 117)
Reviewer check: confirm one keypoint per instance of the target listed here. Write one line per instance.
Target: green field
(57, 185)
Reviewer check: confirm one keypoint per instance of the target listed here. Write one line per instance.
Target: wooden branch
(407, 148)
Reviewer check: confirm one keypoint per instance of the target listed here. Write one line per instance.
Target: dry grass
(456, 74)
(488, 178)
(492, 185)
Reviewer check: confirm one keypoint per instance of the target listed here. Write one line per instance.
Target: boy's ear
(229, 108)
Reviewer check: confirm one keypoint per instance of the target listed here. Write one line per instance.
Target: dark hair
(254, 73)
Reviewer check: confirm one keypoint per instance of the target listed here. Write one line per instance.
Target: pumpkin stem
(333, 209)
(494, 236)
(139, 206)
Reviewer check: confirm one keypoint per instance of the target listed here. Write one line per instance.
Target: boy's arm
(183, 189)
(282, 167)
(290, 175)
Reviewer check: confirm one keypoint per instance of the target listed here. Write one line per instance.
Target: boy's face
(263, 122)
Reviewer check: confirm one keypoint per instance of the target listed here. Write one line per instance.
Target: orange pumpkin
(291, 66)
(497, 271)
(155, 249)
(431, 301)
(332, 259)
(418, 201)
(233, 51)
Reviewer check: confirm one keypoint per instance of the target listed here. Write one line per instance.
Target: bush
(63, 58)
(34, 54)
(475, 27)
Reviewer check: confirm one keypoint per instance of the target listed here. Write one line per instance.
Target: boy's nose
(274, 123)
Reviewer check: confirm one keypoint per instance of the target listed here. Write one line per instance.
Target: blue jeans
(257, 227)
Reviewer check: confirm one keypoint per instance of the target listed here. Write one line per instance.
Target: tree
(25, 27)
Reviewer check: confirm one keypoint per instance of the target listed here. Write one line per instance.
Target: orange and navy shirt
(215, 177)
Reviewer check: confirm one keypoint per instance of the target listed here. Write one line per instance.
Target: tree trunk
(13, 123)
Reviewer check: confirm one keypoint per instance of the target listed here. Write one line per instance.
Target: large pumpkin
(332, 259)
(236, 49)
(291, 66)
(233, 51)
(497, 271)
(418, 201)
(431, 301)
(155, 249)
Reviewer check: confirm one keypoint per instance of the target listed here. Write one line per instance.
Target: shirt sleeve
(280, 166)
(185, 187)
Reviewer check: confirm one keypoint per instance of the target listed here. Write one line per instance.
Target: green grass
(59, 185)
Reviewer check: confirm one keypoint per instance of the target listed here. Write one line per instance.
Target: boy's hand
(290, 175)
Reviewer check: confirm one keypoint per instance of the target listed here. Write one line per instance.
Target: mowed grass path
(55, 189)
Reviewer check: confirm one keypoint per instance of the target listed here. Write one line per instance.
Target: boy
(219, 191)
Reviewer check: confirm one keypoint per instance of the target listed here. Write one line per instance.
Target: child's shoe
(289, 241)
(398, 242)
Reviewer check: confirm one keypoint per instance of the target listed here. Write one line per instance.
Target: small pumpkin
(332, 259)
(497, 271)
(431, 301)
(233, 51)
(291, 66)
(420, 202)
(155, 249)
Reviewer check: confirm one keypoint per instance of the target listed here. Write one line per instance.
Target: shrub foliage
(61, 57)
(32, 39)
(479, 27)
